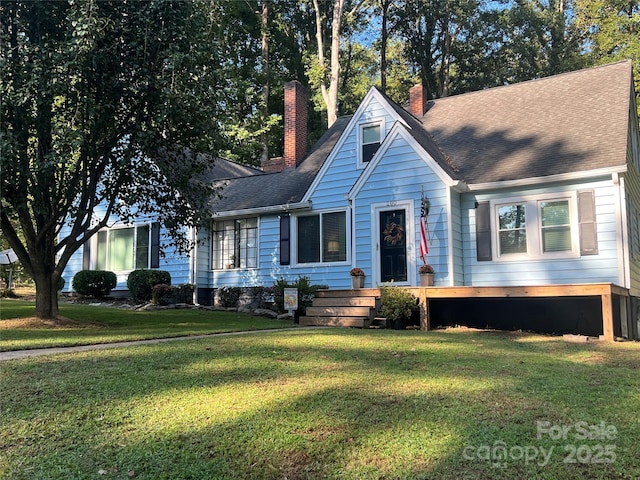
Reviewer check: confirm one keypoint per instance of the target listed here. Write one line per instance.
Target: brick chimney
(295, 123)
(418, 100)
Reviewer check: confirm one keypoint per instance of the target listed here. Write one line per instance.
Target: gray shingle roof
(282, 188)
(571, 122)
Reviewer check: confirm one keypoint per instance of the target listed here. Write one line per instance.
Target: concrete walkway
(38, 352)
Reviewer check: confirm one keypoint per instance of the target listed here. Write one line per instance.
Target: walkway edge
(38, 352)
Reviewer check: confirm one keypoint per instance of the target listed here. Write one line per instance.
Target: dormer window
(370, 141)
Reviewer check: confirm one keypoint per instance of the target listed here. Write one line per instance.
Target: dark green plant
(229, 296)
(141, 282)
(184, 293)
(61, 283)
(95, 283)
(397, 303)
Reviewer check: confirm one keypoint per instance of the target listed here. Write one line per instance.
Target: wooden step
(345, 302)
(338, 312)
(336, 322)
(359, 292)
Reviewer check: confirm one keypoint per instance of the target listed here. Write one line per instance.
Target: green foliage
(397, 302)
(141, 282)
(61, 283)
(229, 296)
(163, 294)
(306, 292)
(95, 283)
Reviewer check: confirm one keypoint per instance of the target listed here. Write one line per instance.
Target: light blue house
(531, 184)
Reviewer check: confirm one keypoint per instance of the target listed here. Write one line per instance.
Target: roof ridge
(533, 80)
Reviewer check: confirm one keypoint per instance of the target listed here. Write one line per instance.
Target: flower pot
(357, 282)
(426, 279)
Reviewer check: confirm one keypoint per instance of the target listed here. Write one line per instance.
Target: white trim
(252, 212)
(624, 274)
(376, 208)
(93, 260)
(400, 130)
(356, 119)
(450, 243)
(294, 238)
(533, 227)
(562, 177)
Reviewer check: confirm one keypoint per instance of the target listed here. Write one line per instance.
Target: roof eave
(536, 181)
(284, 208)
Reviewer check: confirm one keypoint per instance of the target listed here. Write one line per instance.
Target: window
(122, 249)
(235, 243)
(322, 238)
(370, 135)
(512, 229)
(536, 227)
(555, 226)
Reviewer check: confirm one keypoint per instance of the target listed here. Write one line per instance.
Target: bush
(141, 282)
(398, 304)
(163, 294)
(229, 296)
(61, 283)
(95, 283)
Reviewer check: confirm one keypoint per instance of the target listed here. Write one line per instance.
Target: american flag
(424, 211)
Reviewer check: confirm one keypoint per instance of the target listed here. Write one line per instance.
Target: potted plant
(357, 278)
(426, 275)
(397, 306)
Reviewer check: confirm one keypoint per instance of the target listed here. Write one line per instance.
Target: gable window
(235, 243)
(122, 249)
(536, 227)
(370, 141)
(322, 238)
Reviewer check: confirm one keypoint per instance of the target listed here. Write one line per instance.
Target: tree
(330, 91)
(612, 32)
(100, 101)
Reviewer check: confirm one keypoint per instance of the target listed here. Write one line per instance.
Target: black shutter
(155, 245)
(86, 255)
(587, 223)
(285, 240)
(483, 232)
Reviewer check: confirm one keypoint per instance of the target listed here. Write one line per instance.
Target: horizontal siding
(398, 177)
(587, 269)
(456, 227)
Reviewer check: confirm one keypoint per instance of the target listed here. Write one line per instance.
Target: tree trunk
(264, 138)
(383, 45)
(46, 295)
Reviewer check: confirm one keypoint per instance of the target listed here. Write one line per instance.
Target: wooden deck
(605, 291)
(357, 307)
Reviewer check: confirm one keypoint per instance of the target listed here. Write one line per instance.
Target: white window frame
(374, 122)
(320, 213)
(94, 246)
(533, 228)
(214, 240)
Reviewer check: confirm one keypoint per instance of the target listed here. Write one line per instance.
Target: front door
(393, 245)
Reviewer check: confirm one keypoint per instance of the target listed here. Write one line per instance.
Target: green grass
(335, 403)
(94, 324)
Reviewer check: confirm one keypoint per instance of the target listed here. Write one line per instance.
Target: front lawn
(335, 403)
(92, 324)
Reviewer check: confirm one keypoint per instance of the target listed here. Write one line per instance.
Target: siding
(587, 269)
(632, 196)
(398, 178)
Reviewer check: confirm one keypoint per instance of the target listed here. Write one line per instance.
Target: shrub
(229, 296)
(96, 283)
(397, 303)
(61, 283)
(163, 294)
(141, 282)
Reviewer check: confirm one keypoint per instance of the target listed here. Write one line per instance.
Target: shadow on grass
(318, 404)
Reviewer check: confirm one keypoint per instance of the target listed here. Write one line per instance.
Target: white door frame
(376, 208)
